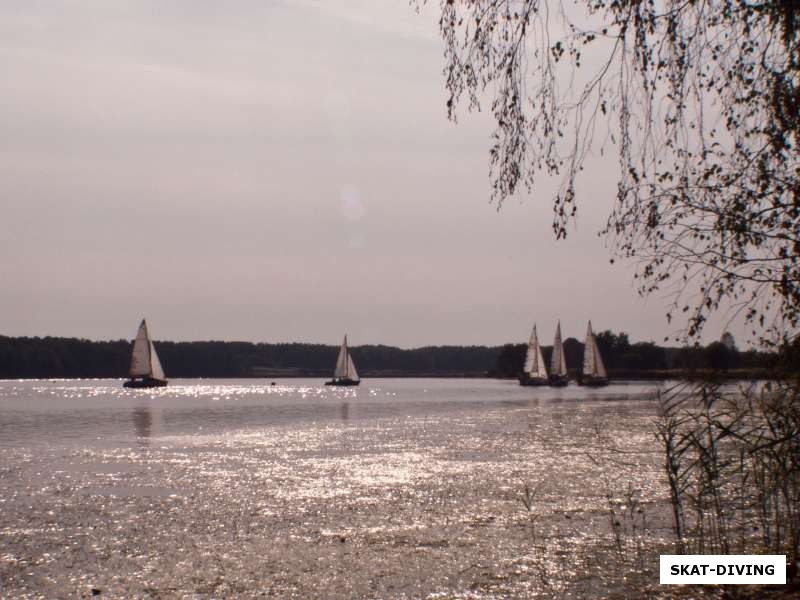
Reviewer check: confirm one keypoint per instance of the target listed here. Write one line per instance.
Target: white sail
(140, 359)
(558, 362)
(534, 360)
(541, 368)
(341, 361)
(592, 361)
(345, 368)
(530, 357)
(351, 367)
(600, 367)
(588, 352)
(144, 360)
(155, 365)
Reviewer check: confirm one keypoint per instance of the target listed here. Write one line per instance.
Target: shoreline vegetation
(57, 357)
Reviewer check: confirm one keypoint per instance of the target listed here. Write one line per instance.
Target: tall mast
(341, 361)
(140, 357)
(558, 363)
(530, 356)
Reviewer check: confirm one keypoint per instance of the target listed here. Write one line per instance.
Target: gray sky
(272, 171)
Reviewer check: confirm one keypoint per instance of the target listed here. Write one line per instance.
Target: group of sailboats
(146, 370)
(535, 371)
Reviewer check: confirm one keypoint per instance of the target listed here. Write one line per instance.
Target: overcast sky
(273, 171)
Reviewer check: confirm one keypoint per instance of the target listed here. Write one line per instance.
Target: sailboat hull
(343, 382)
(593, 381)
(145, 383)
(558, 382)
(532, 381)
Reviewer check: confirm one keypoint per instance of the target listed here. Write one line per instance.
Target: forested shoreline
(55, 357)
(52, 357)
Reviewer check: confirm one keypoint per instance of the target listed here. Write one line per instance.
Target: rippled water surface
(412, 488)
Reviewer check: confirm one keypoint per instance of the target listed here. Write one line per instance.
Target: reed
(732, 464)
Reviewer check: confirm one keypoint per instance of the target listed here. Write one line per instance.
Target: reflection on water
(396, 489)
(142, 422)
(33, 411)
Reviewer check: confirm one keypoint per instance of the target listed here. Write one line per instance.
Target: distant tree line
(52, 357)
(623, 359)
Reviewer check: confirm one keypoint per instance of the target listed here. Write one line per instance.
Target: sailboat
(345, 373)
(594, 371)
(535, 371)
(558, 362)
(145, 371)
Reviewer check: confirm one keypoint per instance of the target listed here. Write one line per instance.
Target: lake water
(401, 488)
